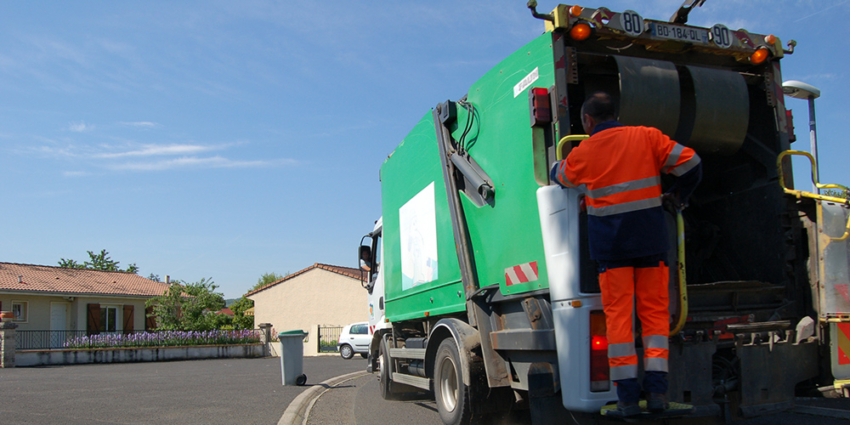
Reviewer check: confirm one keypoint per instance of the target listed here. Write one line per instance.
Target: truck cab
(373, 282)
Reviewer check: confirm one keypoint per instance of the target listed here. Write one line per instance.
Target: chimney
(20, 278)
(167, 280)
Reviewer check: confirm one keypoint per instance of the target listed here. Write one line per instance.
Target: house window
(109, 319)
(19, 309)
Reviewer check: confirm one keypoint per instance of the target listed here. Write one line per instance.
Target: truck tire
(346, 351)
(387, 390)
(451, 393)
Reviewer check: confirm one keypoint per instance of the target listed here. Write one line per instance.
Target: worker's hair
(364, 248)
(600, 106)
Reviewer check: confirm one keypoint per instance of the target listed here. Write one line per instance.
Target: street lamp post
(801, 90)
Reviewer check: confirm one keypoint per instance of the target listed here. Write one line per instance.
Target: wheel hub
(448, 384)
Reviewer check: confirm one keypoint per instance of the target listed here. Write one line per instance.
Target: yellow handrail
(683, 284)
(819, 185)
(559, 151)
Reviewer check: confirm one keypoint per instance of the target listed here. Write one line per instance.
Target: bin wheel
(301, 380)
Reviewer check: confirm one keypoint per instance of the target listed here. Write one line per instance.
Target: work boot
(628, 409)
(657, 403)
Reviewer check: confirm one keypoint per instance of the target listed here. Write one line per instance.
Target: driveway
(220, 391)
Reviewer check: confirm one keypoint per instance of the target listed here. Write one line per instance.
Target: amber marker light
(759, 56)
(580, 31)
(576, 11)
(770, 39)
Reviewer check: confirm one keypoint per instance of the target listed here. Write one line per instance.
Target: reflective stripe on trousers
(620, 287)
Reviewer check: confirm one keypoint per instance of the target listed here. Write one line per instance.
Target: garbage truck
(483, 292)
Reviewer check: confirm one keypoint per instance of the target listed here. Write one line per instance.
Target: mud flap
(544, 399)
(767, 380)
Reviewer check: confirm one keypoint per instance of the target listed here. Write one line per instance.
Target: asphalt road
(245, 391)
(359, 402)
(220, 391)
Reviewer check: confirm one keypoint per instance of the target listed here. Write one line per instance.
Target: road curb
(297, 411)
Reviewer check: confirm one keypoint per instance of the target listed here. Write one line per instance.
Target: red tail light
(600, 376)
(538, 104)
(599, 343)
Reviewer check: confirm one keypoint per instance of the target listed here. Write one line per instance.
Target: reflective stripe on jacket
(619, 168)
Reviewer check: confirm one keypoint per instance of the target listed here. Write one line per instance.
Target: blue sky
(231, 139)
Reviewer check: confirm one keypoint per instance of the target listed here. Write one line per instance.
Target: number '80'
(632, 22)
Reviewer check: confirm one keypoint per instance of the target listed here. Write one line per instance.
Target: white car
(355, 338)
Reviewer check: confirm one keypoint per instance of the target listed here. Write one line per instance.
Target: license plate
(675, 32)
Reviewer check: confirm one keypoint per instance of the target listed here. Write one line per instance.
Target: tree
(268, 278)
(70, 264)
(153, 277)
(834, 192)
(188, 306)
(100, 261)
(240, 320)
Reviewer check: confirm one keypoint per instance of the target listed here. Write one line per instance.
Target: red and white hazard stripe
(522, 273)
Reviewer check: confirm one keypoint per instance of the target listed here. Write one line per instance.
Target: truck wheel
(346, 351)
(451, 393)
(386, 381)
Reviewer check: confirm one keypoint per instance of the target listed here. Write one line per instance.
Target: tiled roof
(226, 311)
(59, 280)
(345, 271)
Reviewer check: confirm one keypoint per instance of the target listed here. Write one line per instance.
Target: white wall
(315, 297)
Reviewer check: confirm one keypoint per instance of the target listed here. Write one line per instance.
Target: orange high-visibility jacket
(619, 169)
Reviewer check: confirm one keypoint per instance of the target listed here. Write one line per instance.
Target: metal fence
(42, 340)
(328, 338)
(45, 340)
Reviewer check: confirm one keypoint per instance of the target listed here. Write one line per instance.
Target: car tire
(451, 393)
(346, 351)
(364, 355)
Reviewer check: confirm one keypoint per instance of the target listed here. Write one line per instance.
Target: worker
(618, 167)
(366, 258)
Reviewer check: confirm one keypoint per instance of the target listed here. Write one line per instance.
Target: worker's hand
(671, 202)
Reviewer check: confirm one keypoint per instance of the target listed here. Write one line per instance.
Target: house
(319, 295)
(226, 311)
(46, 298)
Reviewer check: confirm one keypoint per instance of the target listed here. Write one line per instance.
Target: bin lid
(292, 333)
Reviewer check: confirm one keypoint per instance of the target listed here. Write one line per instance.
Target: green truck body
(505, 233)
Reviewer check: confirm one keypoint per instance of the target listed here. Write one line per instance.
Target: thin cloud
(141, 158)
(196, 162)
(158, 150)
(53, 151)
(80, 127)
(820, 11)
(139, 124)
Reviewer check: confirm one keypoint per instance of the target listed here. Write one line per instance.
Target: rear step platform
(675, 410)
